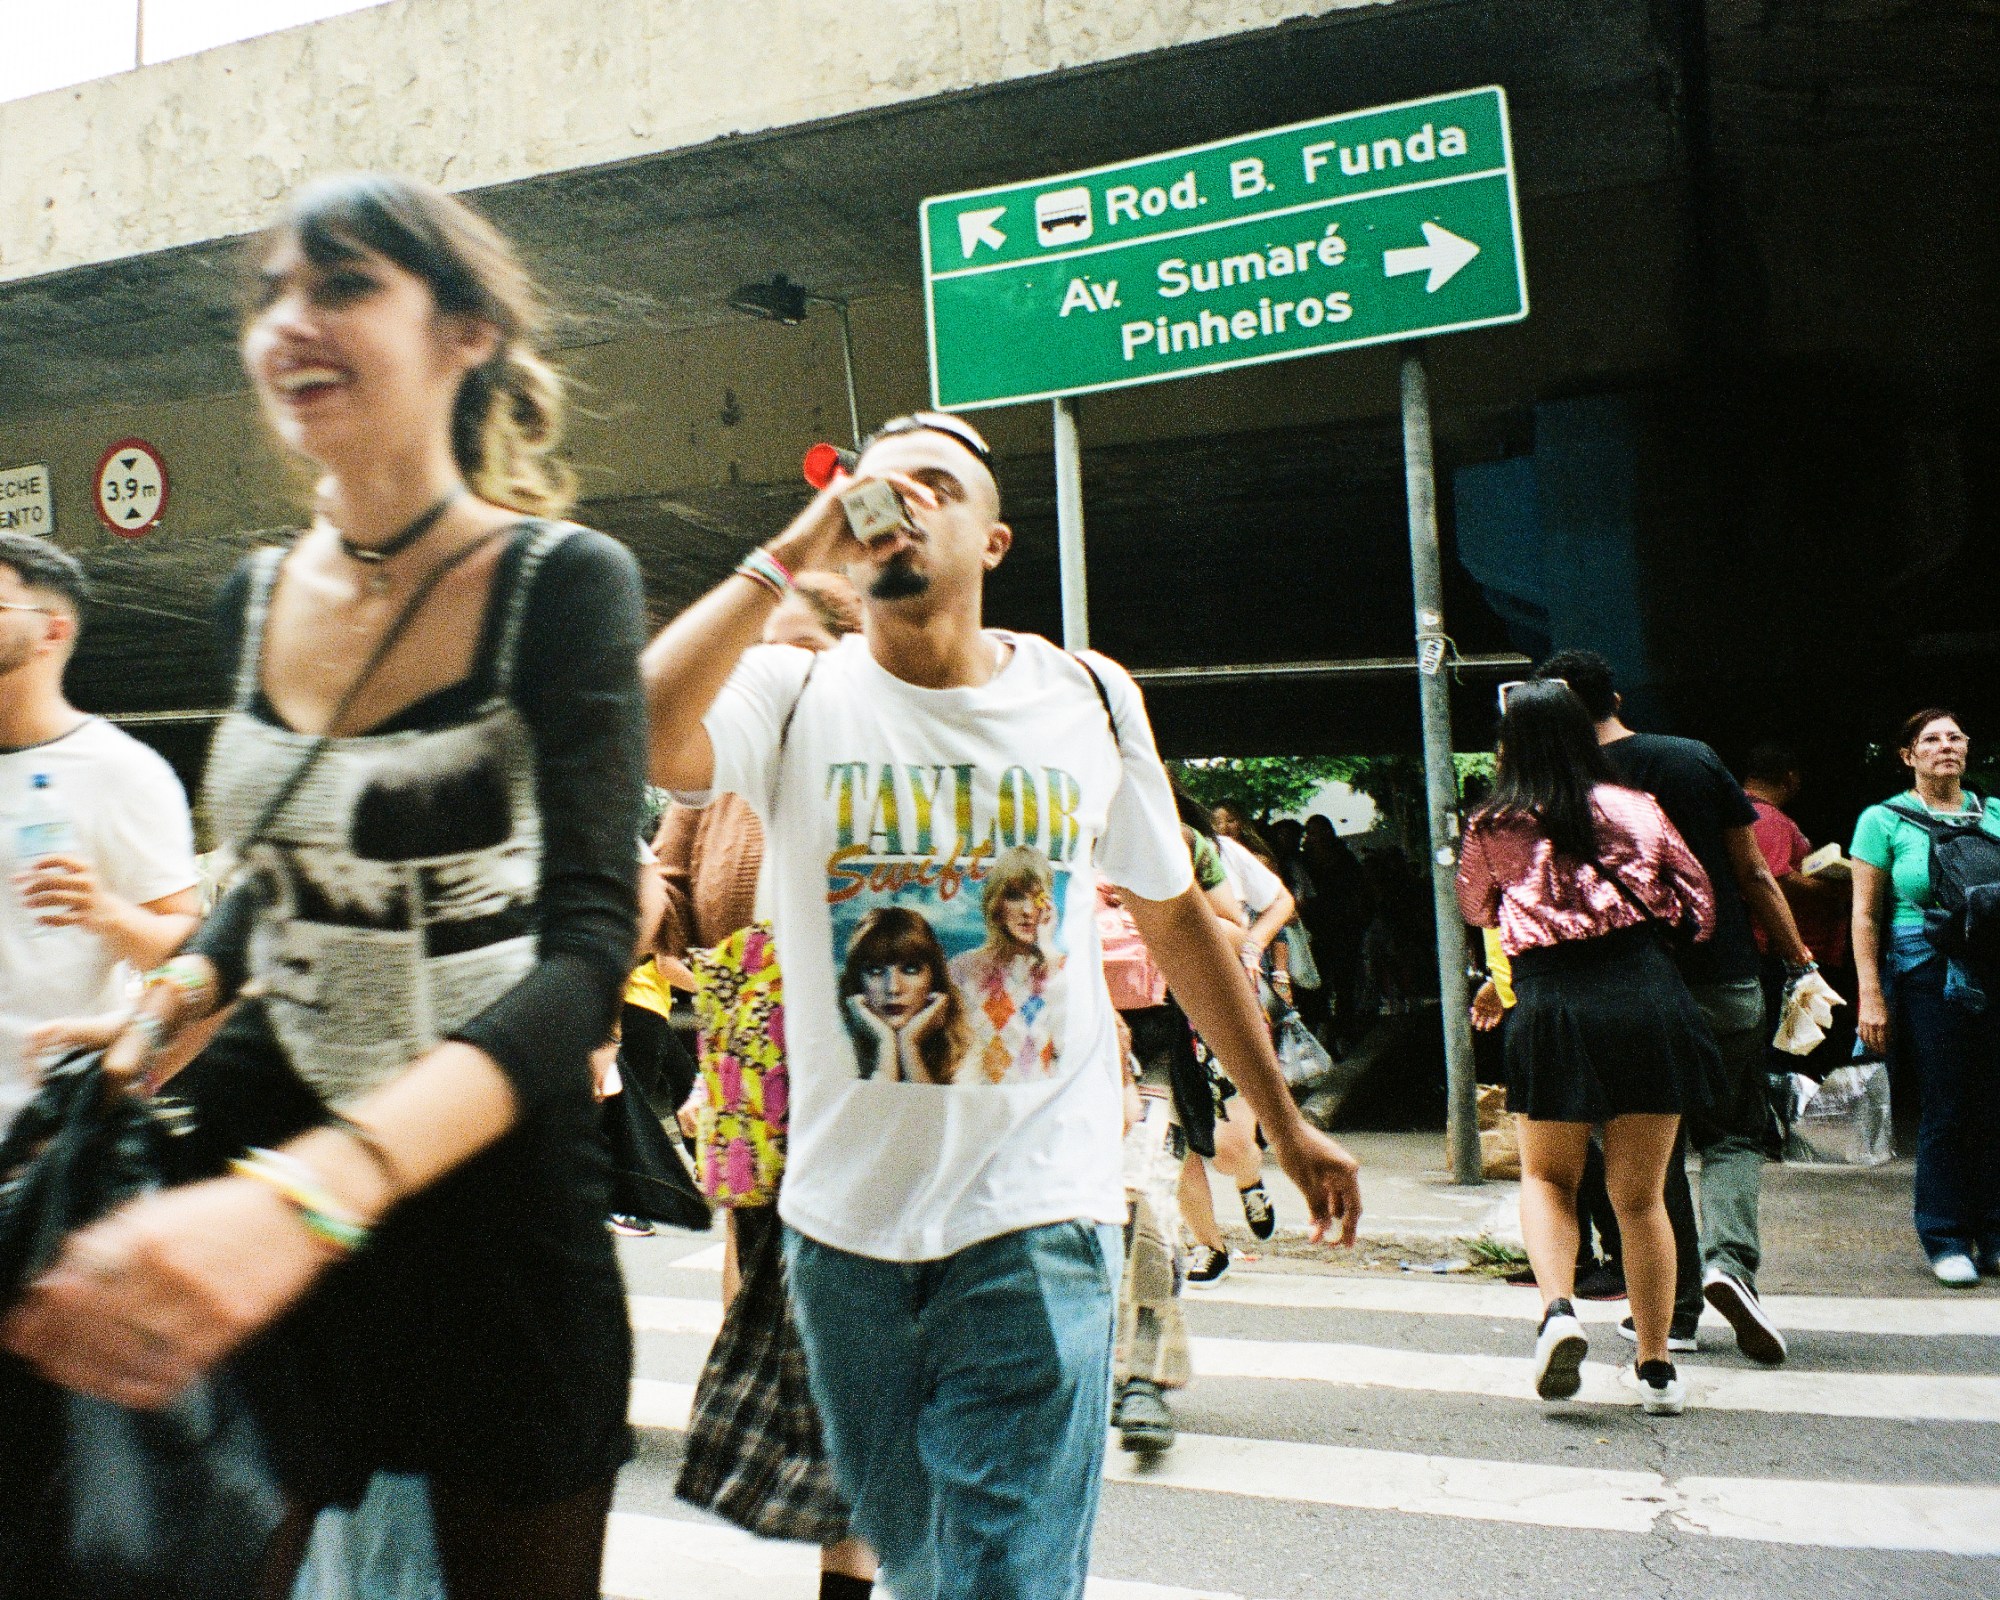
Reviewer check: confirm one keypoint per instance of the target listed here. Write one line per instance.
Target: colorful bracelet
(186, 973)
(300, 1187)
(767, 571)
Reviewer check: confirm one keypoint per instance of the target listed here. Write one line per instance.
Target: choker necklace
(376, 556)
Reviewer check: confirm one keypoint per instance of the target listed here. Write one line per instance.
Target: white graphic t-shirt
(130, 817)
(954, 1068)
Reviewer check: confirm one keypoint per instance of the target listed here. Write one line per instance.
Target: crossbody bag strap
(1617, 881)
(1935, 826)
(395, 631)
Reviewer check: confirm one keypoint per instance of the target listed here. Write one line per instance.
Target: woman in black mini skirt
(1586, 881)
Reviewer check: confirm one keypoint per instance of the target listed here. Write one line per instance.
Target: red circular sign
(130, 491)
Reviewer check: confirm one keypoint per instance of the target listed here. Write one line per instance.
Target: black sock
(839, 1586)
(1558, 1307)
(1656, 1372)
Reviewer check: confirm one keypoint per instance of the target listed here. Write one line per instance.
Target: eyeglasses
(937, 422)
(11, 605)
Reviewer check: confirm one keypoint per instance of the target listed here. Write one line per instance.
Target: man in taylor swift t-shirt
(937, 799)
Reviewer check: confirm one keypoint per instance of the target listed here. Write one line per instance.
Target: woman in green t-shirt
(1908, 998)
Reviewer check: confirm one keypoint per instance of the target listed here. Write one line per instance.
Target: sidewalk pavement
(1826, 1230)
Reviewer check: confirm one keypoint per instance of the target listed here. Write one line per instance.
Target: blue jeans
(1957, 1058)
(965, 1403)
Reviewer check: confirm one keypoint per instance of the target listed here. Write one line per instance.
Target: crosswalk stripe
(657, 1313)
(1912, 1397)
(1910, 1317)
(669, 1558)
(1861, 1516)
(1882, 1395)
(1914, 1317)
(1853, 1516)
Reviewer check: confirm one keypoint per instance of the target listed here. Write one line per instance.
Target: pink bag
(1129, 973)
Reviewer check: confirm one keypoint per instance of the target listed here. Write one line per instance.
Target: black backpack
(1965, 883)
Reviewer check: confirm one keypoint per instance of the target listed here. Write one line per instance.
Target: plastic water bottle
(40, 831)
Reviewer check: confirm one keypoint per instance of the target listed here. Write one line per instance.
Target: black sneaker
(1757, 1335)
(1560, 1347)
(1681, 1340)
(1600, 1281)
(629, 1227)
(1144, 1422)
(1258, 1210)
(1206, 1267)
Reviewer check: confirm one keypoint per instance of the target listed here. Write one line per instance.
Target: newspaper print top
(398, 884)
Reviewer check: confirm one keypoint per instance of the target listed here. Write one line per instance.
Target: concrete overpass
(1742, 440)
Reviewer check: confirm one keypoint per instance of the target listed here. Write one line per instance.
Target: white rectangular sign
(27, 503)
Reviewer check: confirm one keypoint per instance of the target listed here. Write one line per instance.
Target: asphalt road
(1362, 1435)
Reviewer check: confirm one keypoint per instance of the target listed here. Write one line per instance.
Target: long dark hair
(1549, 760)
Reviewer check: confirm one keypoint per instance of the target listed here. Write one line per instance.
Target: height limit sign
(1389, 223)
(131, 488)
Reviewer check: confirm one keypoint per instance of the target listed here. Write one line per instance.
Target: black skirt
(1605, 1028)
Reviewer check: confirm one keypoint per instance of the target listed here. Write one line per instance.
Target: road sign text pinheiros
(1387, 223)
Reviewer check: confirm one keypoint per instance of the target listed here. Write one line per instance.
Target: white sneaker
(1661, 1392)
(1559, 1351)
(1955, 1271)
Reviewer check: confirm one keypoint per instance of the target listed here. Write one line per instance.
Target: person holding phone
(964, 1234)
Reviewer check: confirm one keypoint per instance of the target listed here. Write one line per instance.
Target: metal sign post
(1461, 1125)
(1069, 529)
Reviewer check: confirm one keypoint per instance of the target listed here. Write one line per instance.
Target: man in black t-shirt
(1708, 807)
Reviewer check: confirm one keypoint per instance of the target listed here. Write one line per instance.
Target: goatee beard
(898, 581)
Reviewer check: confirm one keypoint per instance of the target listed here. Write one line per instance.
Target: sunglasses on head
(1512, 684)
(936, 422)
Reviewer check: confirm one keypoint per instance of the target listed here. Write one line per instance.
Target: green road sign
(1389, 223)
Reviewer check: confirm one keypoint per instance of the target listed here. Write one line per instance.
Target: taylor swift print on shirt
(947, 920)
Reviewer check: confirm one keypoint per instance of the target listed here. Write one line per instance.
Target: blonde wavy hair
(508, 419)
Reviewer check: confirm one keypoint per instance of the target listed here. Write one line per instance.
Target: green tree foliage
(1272, 785)
(1267, 785)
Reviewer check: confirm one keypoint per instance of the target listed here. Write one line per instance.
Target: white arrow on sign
(976, 228)
(1441, 257)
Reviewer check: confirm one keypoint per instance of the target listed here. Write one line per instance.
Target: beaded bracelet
(300, 1187)
(767, 571)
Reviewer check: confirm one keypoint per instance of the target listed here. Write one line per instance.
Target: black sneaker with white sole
(1757, 1335)
(629, 1227)
(1560, 1347)
(1258, 1210)
(1661, 1392)
(1680, 1341)
(1206, 1267)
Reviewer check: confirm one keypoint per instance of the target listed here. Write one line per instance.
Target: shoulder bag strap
(264, 566)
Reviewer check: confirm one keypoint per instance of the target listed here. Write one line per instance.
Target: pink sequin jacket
(1510, 878)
